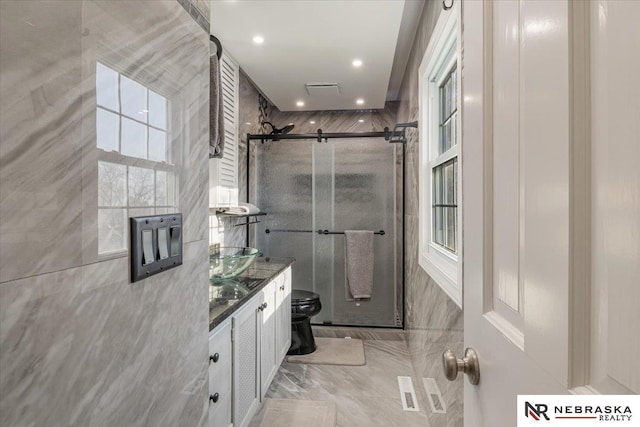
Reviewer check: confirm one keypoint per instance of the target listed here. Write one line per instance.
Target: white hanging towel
(358, 247)
(240, 209)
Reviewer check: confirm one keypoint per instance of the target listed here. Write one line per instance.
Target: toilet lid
(299, 296)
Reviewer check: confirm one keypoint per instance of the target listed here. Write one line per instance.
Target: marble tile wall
(433, 321)
(199, 11)
(79, 344)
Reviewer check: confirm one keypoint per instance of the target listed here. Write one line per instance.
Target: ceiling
(316, 41)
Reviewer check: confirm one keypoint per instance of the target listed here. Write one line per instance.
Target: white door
(551, 200)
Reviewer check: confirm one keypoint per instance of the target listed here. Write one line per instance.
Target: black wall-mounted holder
(156, 244)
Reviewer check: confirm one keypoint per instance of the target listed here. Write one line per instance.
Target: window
(445, 172)
(135, 174)
(439, 246)
(131, 119)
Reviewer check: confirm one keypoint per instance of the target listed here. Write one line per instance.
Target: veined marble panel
(84, 347)
(80, 345)
(50, 186)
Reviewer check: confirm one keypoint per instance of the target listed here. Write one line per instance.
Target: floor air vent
(434, 396)
(408, 394)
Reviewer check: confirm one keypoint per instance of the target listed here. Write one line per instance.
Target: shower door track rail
(387, 134)
(393, 136)
(325, 232)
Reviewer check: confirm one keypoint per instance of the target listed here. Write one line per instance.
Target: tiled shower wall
(349, 121)
(79, 344)
(433, 320)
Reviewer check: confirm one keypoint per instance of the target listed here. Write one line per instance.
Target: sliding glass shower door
(343, 184)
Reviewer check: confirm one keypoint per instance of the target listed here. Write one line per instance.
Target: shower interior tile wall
(81, 345)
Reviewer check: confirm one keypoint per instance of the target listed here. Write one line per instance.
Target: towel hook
(215, 41)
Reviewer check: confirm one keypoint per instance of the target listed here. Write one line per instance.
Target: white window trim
(442, 52)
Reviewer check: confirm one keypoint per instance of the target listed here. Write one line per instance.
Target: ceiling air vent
(323, 90)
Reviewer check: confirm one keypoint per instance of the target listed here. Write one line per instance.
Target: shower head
(288, 128)
(275, 131)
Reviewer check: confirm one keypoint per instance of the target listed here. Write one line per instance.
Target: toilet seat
(300, 297)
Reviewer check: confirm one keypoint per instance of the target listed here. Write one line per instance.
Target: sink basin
(227, 292)
(231, 262)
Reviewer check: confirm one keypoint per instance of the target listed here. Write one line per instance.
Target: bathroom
(148, 149)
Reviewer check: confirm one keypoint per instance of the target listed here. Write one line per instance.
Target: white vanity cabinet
(283, 315)
(246, 361)
(275, 332)
(268, 355)
(258, 337)
(220, 364)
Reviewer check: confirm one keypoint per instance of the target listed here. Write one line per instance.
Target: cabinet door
(220, 370)
(268, 355)
(246, 344)
(283, 316)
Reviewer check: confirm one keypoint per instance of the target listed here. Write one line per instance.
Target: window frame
(168, 165)
(441, 56)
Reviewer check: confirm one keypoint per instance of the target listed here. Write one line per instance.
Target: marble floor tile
(365, 396)
(289, 412)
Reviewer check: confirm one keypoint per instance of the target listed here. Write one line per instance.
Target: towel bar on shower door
(380, 233)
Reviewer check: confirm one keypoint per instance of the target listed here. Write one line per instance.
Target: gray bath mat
(334, 351)
(293, 413)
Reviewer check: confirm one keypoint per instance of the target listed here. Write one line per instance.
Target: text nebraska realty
(601, 413)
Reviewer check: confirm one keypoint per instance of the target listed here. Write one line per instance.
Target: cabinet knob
(264, 305)
(214, 397)
(282, 288)
(214, 358)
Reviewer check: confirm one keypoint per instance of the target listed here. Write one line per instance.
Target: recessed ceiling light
(357, 63)
(359, 101)
(258, 39)
(361, 120)
(247, 123)
(313, 122)
(300, 104)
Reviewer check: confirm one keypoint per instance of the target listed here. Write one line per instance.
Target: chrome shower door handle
(468, 364)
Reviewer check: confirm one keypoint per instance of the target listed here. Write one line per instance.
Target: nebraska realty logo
(583, 410)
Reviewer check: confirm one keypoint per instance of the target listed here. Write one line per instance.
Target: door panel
(615, 208)
(515, 202)
(575, 209)
(306, 186)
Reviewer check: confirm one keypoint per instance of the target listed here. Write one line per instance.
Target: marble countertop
(249, 283)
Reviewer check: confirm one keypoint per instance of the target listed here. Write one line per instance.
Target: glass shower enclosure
(342, 184)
